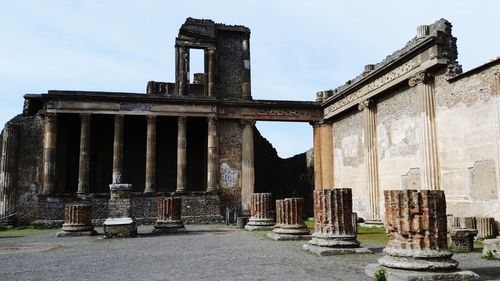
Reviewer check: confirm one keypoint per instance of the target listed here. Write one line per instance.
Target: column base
(392, 274)
(120, 227)
(331, 241)
(76, 233)
(328, 251)
(409, 263)
(255, 224)
(169, 225)
(288, 237)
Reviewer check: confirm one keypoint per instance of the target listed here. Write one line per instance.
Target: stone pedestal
(77, 220)
(169, 215)
(120, 222)
(261, 212)
(289, 222)
(335, 229)
(462, 240)
(417, 248)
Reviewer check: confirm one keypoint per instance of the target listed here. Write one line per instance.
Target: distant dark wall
(166, 153)
(196, 137)
(283, 178)
(101, 152)
(134, 152)
(229, 62)
(67, 152)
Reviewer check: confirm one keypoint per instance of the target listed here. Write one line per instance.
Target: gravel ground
(203, 253)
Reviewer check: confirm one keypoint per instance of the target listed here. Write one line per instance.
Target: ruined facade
(412, 121)
(415, 121)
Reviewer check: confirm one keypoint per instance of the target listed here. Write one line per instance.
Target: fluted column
(369, 111)
(150, 155)
(181, 154)
(247, 165)
(260, 211)
(246, 86)
(323, 155)
(424, 84)
(78, 217)
(118, 150)
(49, 153)
(169, 214)
(84, 166)
(289, 222)
(416, 227)
(211, 72)
(212, 156)
(8, 173)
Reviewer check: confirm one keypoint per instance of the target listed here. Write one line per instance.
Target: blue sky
(297, 47)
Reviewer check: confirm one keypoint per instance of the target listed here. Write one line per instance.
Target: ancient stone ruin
(169, 215)
(261, 212)
(121, 222)
(289, 220)
(77, 220)
(334, 227)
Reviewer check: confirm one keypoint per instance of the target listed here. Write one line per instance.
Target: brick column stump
(77, 220)
(120, 222)
(261, 212)
(289, 222)
(334, 226)
(417, 248)
(462, 240)
(169, 215)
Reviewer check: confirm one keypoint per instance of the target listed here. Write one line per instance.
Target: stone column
(182, 72)
(212, 156)
(261, 212)
(181, 154)
(211, 72)
(247, 165)
(169, 214)
(84, 166)
(8, 173)
(416, 227)
(77, 220)
(323, 155)
(428, 141)
(369, 111)
(485, 228)
(246, 86)
(289, 222)
(120, 221)
(49, 153)
(118, 150)
(334, 227)
(150, 186)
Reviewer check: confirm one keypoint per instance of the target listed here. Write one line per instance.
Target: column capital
(420, 77)
(118, 118)
(85, 117)
(151, 117)
(320, 123)
(182, 120)
(50, 117)
(245, 122)
(367, 103)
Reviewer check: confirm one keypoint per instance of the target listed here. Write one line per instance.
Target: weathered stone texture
(78, 217)
(229, 162)
(8, 173)
(416, 227)
(289, 213)
(261, 216)
(169, 213)
(462, 240)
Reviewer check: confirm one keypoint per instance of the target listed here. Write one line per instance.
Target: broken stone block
(289, 222)
(261, 212)
(335, 229)
(462, 240)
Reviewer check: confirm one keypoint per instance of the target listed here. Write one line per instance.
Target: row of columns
(182, 70)
(49, 154)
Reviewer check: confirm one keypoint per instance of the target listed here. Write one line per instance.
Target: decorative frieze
(169, 214)
(261, 212)
(289, 222)
(334, 226)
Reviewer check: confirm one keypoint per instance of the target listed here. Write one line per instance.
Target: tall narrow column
(83, 168)
(211, 72)
(323, 155)
(8, 172)
(247, 165)
(369, 123)
(212, 155)
(49, 153)
(118, 150)
(182, 71)
(428, 141)
(246, 86)
(181, 154)
(151, 155)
